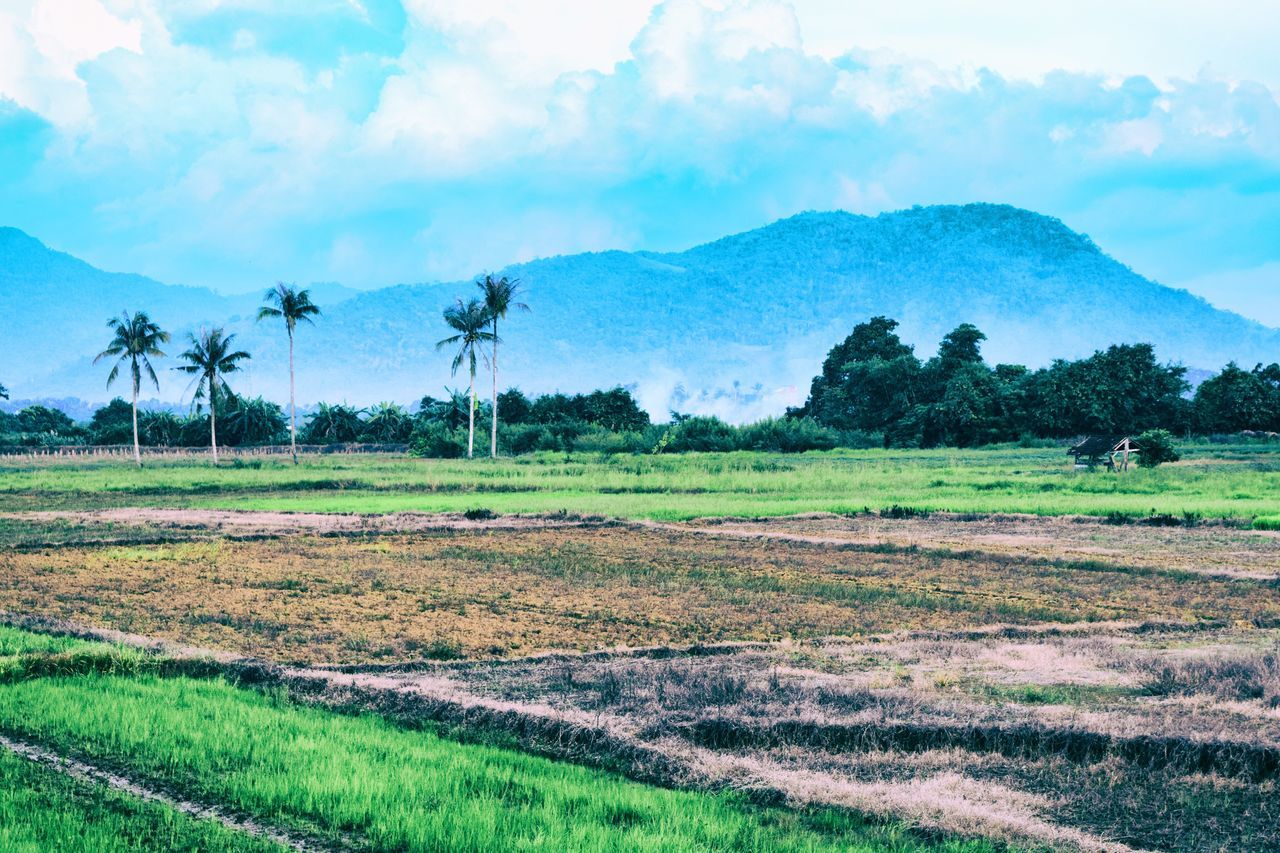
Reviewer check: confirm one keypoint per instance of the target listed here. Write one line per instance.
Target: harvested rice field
(888, 677)
(382, 591)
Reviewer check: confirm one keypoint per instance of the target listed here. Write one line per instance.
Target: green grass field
(356, 781)
(1213, 481)
(42, 810)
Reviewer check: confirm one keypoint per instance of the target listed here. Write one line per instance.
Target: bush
(597, 439)
(1157, 448)
(703, 434)
(435, 440)
(788, 435)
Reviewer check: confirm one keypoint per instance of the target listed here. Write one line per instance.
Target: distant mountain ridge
(737, 326)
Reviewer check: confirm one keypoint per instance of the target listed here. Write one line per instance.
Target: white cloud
(42, 42)
(502, 131)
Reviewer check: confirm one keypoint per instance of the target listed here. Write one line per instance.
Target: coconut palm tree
(499, 298)
(209, 359)
(294, 306)
(470, 320)
(136, 341)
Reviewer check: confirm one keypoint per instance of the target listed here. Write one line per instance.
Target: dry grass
(482, 592)
(1210, 548)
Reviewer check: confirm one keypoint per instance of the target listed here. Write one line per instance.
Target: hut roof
(1097, 445)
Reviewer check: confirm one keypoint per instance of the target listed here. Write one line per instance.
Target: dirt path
(89, 773)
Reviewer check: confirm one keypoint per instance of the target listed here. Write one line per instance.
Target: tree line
(873, 382)
(872, 391)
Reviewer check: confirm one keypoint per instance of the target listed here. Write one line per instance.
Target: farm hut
(1112, 451)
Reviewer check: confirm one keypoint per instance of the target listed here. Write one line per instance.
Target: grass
(42, 809)
(363, 782)
(1213, 481)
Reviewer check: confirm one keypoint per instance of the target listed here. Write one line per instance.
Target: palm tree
(137, 340)
(469, 320)
(285, 300)
(210, 359)
(499, 298)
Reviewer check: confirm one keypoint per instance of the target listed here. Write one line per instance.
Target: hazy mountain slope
(755, 308)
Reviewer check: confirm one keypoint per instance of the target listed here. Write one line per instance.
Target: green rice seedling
(391, 789)
(42, 809)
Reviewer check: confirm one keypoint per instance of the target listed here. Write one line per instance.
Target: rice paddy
(362, 783)
(1214, 481)
(948, 650)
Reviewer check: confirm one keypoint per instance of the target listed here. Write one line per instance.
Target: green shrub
(434, 440)
(703, 434)
(788, 435)
(1157, 448)
(597, 439)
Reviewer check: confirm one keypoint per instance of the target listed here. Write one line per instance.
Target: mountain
(737, 326)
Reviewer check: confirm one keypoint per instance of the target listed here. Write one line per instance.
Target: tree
(388, 422)
(868, 381)
(110, 424)
(41, 420)
(960, 346)
(1238, 399)
(470, 320)
(451, 411)
(615, 410)
(162, 429)
(4, 393)
(515, 406)
(294, 306)
(135, 342)
(334, 424)
(252, 420)
(499, 298)
(209, 359)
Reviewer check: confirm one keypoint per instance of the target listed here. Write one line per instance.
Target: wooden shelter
(1112, 451)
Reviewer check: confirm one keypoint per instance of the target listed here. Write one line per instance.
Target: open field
(1107, 679)
(1218, 481)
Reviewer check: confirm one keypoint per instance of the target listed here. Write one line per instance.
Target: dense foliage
(872, 381)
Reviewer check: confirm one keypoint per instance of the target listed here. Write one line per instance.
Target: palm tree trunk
(293, 407)
(471, 419)
(137, 452)
(493, 435)
(213, 421)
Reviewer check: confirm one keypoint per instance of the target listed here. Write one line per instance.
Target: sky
(231, 143)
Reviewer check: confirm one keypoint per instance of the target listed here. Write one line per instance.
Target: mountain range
(735, 327)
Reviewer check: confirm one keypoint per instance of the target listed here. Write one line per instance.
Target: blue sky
(230, 143)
